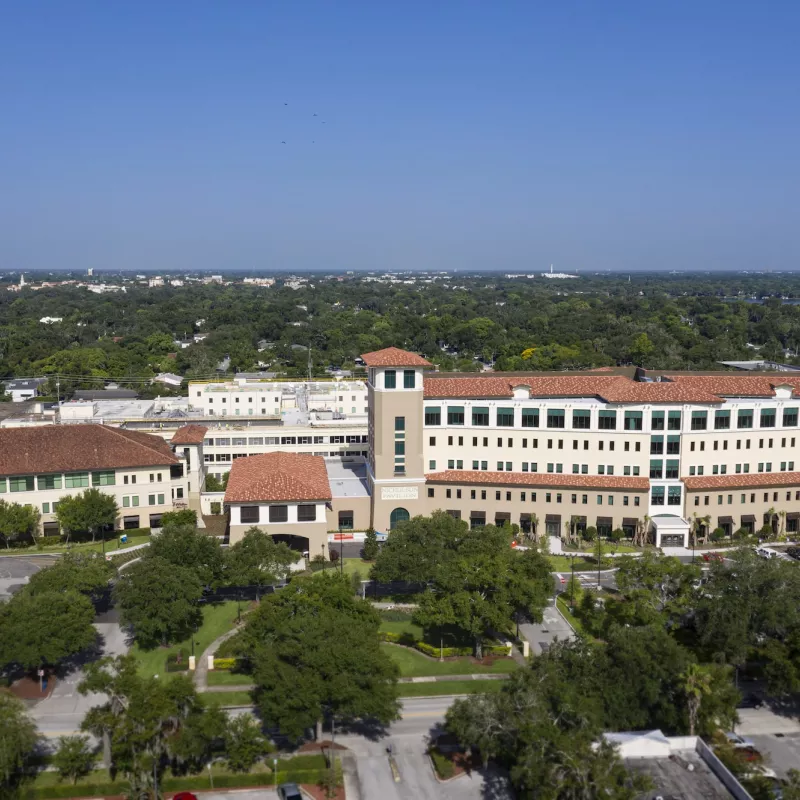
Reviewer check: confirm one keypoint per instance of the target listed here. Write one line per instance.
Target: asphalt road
(15, 571)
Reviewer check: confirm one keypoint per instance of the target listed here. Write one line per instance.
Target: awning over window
(480, 409)
(524, 517)
(793, 515)
(630, 521)
(553, 518)
(748, 518)
(725, 520)
(455, 514)
(502, 515)
(605, 521)
(477, 515)
(455, 409)
(581, 412)
(580, 520)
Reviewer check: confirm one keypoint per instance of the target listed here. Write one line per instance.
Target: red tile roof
(275, 477)
(742, 481)
(394, 357)
(611, 388)
(466, 477)
(190, 434)
(74, 448)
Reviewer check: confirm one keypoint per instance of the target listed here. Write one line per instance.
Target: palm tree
(534, 526)
(696, 684)
(640, 537)
(782, 515)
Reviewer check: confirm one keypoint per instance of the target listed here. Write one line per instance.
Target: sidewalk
(200, 676)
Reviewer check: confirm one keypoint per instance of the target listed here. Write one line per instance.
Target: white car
(737, 740)
(381, 537)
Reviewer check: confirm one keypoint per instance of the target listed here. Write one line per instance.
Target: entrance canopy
(670, 530)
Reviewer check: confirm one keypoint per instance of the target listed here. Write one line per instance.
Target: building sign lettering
(399, 492)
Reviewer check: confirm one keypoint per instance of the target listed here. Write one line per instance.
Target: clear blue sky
(474, 135)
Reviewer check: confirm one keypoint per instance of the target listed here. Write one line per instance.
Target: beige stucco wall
(360, 506)
(757, 501)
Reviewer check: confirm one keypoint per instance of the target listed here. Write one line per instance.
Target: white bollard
(192, 665)
(211, 662)
(526, 648)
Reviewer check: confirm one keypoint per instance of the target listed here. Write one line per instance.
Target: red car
(185, 796)
(713, 557)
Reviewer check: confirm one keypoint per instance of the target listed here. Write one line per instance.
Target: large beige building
(610, 449)
(41, 465)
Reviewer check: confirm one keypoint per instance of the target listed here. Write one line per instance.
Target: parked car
(289, 791)
(713, 557)
(381, 537)
(794, 552)
(737, 740)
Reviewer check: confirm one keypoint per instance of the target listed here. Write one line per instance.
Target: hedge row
(447, 652)
(225, 663)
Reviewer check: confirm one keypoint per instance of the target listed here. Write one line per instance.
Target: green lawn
(563, 607)
(217, 619)
(564, 564)
(403, 627)
(112, 546)
(413, 664)
(448, 687)
(356, 565)
(591, 547)
(220, 677)
(226, 698)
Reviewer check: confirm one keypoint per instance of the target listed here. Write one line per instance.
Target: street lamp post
(323, 558)
(572, 582)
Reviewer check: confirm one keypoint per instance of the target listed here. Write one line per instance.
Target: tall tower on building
(21, 281)
(90, 272)
(395, 463)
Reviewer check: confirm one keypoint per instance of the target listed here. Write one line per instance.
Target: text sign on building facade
(399, 492)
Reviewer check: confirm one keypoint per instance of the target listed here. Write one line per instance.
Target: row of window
(278, 513)
(607, 419)
(769, 443)
(243, 441)
(250, 412)
(132, 500)
(672, 494)
(400, 445)
(227, 458)
(390, 379)
(523, 496)
(533, 466)
(264, 398)
(70, 480)
(557, 444)
(743, 498)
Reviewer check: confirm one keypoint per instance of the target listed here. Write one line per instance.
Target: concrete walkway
(201, 670)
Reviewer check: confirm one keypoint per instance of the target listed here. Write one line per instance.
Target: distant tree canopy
(655, 320)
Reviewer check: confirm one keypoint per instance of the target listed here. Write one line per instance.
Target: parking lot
(781, 751)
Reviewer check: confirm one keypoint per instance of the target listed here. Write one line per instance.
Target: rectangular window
(673, 445)
(480, 415)
(399, 423)
(674, 496)
(530, 417)
(633, 420)
(390, 379)
(45, 508)
(431, 465)
(699, 420)
(657, 421)
(768, 418)
(48, 482)
(104, 478)
(674, 421)
(249, 515)
(581, 419)
(75, 480)
(656, 468)
(455, 415)
(307, 512)
(722, 420)
(278, 513)
(505, 417)
(433, 415)
(790, 417)
(151, 499)
(656, 445)
(607, 420)
(657, 496)
(399, 448)
(346, 520)
(555, 417)
(409, 379)
(744, 419)
(671, 472)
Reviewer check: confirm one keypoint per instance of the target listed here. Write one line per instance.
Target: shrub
(393, 615)
(134, 532)
(334, 555)
(216, 509)
(446, 652)
(717, 535)
(187, 516)
(225, 663)
(590, 534)
(177, 662)
(370, 551)
(442, 764)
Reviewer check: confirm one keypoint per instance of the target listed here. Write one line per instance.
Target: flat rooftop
(673, 778)
(347, 478)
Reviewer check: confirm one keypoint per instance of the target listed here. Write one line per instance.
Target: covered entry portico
(670, 530)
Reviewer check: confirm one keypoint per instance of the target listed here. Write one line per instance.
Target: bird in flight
(286, 104)
(283, 142)
(313, 115)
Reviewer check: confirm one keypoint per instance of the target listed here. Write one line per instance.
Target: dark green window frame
(656, 468)
(433, 415)
(480, 415)
(673, 445)
(607, 420)
(409, 379)
(656, 445)
(555, 417)
(633, 420)
(399, 423)
(722, 420)
(674, 421)
(455, 415)
(790, 417)
(768, 417)
(744, 419)
(505, 417)
(530, 417)
(657, 421)
(581, 419)
(44, 482)
(390, 379)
